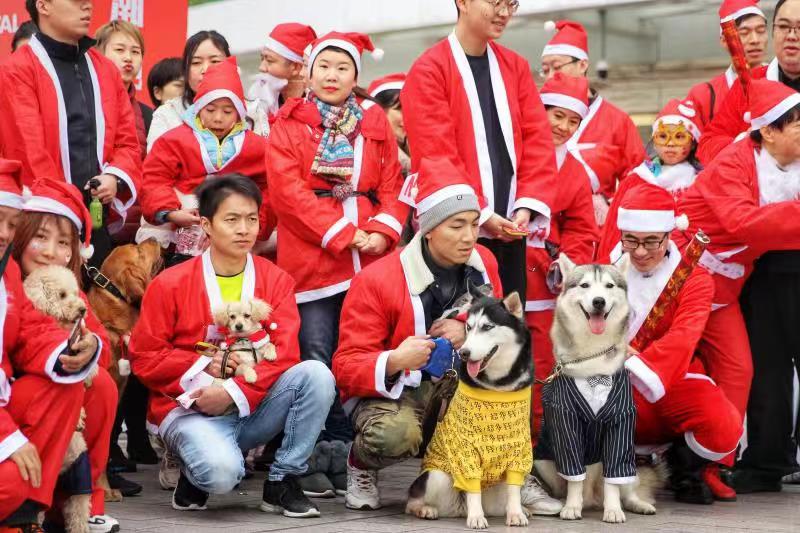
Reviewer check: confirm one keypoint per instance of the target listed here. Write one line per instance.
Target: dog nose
(599, 303)
(464, 354)
(239, 327)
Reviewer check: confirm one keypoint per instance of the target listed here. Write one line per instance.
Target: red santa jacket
(608, 142)
(666, 360)
(34, 125)
(178, 162)
(382, 309)
(443, 117)
(316, 232)
(708, 97)
(573, 230)
(676, 179)
(31, 344)
(729, 121)
(176, 314)
(727, 203)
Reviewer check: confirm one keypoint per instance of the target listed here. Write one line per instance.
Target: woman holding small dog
(335, 179)
(49, 234)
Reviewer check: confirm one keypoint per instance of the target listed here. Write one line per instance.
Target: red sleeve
(700, 96)
(94, 325)
(247, 396)
(726, 125)
(162, 168)
(579, 231)
(294, 202)
(667, 360)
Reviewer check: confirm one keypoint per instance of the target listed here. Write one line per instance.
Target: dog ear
(134, 281)
(565, 264)
(623, 263)
(221, 314)
(260, 309)
(514, 305)
(477, 292)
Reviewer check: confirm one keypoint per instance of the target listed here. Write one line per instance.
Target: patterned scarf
(334, 159)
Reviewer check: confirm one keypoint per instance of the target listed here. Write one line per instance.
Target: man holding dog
(388, 321)
(206, 419)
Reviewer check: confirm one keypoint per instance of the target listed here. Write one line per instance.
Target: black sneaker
(117, 462)
(287, 497)
(187, 497)
(749, 480)
(125, 486)
(142, 454)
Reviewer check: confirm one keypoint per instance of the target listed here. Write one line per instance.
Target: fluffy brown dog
(130, 268)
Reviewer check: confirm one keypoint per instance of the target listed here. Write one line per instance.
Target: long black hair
(192, 44)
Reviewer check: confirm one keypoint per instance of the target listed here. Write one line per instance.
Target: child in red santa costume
(607, 141)
(212, 141)
(674, 167)
(573, 230)
(675, 400)
(746, 202)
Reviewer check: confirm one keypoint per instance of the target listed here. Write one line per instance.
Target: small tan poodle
(245, 330)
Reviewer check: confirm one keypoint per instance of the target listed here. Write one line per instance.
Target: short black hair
(25, 31)
(793, 115)
(778, 7)
(192, 44)
(164, 72)
(388, 99)
(213, 191)
(30, 7)
(739, 21)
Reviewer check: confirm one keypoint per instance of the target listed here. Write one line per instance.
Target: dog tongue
(597, 323)
(473, 368)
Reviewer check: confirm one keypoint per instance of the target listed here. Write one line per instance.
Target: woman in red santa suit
(38, 410)
(746, 202)
(213, 140)
(335, 176)
(49, 234)
(675, 401)
(673, 167)
(573, 230)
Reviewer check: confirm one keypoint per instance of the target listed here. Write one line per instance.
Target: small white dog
(245, 336)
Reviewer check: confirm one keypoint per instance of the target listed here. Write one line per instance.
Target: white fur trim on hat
(43, 204)
(677, 120)
(641, 220)
(565, 50)
(216, 94)
(775, 113)
(392, 85)
(282, 50)
(339, 43)
(9, 199)
(442, 195)
(749, 10)
(567, 102)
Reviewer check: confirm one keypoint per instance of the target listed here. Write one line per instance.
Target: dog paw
(639, 507)
(570, 513)
(477, 522)
(518, 519)
(613, 516)
(426, 512)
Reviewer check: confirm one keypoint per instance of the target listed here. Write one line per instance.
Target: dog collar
(559, 368)
(103, 282)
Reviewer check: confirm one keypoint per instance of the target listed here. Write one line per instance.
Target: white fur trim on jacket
(232, 388)
(388, 220)
(10, 444)
(412, 379)
(702, 451)
(195, 377)
(418, 275)
(334, 230)
(644, 379)
(50, 366)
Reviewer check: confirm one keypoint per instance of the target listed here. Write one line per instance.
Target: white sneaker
(169, 471)
(103, 523)
(362, 489)
(536, 499)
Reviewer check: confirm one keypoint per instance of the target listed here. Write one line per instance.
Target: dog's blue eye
(584, 285)
(487, 327)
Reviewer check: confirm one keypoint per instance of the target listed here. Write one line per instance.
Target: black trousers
(512, 264)
(771, 307)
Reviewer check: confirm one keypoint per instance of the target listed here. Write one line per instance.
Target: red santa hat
(10, 183)
(769, 101)
(222, 81)
(569, 40)
(290, 39)
(569, 92)
(735, 9)
(64, 199)
(353, 43)
(679, 112)
(649, 208)
(441, 192)
(387, 83)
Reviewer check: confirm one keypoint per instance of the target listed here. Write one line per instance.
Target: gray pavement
(238, 512)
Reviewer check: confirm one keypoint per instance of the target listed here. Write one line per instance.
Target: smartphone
(520, 233)
(75, 333)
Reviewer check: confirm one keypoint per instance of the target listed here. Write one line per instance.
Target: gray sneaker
(537, 500)
(317, 485)
(339, 483)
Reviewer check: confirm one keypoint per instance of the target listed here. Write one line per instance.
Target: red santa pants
(539, 323)
(47, 414)
(725, 352)
(101, 408)
(696, 409)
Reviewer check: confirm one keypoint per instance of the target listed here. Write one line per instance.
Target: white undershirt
(596, 396)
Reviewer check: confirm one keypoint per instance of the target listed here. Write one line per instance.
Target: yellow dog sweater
(485, 438)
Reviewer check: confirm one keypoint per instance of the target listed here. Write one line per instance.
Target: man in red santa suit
(391, 312)
(573, 230)
(708, 97)
(474, 101)
(206, 414)
(607, 141)
(675, 401)
(746, 201)
(39, 409)
(67, 115)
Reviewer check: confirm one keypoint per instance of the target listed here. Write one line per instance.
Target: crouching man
(389, 315)
(208, 422)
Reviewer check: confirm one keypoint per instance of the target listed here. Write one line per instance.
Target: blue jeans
(210, 447)
(319, 337)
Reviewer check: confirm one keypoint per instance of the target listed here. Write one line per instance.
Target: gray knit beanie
(445, 209)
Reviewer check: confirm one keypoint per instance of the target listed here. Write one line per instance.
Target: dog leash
(559, 368)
